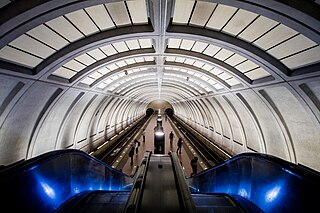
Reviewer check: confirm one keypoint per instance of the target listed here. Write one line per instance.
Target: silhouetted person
(179, 144)
(171, 136)
(137, 144)
(131, 153)
(194, 166)
(144, 135)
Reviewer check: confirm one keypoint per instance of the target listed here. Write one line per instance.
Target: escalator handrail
(134, 200)
(183, 188)
(41, 159)
(310, 175)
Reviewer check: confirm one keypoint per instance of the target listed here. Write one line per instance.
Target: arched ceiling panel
(174, 86)
(208, 46)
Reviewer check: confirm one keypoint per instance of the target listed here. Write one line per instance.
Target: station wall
(36, 117)
(282, 120)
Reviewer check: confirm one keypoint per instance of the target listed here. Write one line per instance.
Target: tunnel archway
(169, 112)
(149, 111)
(160, 106)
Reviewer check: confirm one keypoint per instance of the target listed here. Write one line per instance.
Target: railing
(134, 201)
(184, 192)
(268, 182)
(45, 182)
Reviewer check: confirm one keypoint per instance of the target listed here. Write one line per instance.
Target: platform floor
(148, 146)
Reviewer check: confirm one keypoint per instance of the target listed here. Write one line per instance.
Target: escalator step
(215, 203)
(97, 201)
(229, 209)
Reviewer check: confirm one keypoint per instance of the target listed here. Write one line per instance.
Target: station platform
(148, 145)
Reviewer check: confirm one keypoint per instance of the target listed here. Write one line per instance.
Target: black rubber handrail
(134, 200)
(307, 173)
(41, 159)
(182, 186)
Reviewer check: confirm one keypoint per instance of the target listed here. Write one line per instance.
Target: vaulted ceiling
(245, 74)
(152, 49)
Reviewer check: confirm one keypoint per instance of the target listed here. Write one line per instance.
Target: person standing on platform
(179, 145)
(137, 144)
(131, 153)
(144, 135)
(194, 166)
(171, 136)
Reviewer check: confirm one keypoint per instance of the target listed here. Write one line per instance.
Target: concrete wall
(281, 120)
(36, 117)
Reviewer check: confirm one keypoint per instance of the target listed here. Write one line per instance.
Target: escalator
(73, 181)
(44, 183)
(95, 201)
(217, 202)
(260, 183)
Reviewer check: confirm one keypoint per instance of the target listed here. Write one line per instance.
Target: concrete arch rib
(174, 87)
(202, 119)
(181, 80)
(223, 83)
(129, 85)
(16, 22)
(94, 41)
(302, 16)
(122, 69)
(187, 82)
(142, 85)
(147, 97)
(134, 53)
(139, 92)
(165, 92)
(239, 46)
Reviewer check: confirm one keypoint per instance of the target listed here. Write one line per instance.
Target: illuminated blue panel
(269, 183)
(44, 183)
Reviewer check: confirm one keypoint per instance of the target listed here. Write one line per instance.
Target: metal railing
(182, 186)
(134, 201)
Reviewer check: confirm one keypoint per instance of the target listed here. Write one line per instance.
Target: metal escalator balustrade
(45, 182)
(248, 182)
(134, 200)
(266, 182)
(186, 199)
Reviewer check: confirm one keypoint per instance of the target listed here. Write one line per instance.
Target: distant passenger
(179, 144)
(194, 166)
(137, 144)
(131, 153)
(144, 135)
(171, 136)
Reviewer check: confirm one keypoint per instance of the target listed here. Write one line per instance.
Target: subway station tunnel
(244, 74)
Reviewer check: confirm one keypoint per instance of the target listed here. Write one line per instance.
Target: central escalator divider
(160, 186)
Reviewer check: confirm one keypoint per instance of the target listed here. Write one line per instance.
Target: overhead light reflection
(158, 133)
(48, 190)
(243, 193)
(272, 194)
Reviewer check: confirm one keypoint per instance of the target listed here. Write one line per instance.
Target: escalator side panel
(271, 184)
(44, 186)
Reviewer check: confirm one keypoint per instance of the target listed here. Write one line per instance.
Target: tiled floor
(148, 146)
